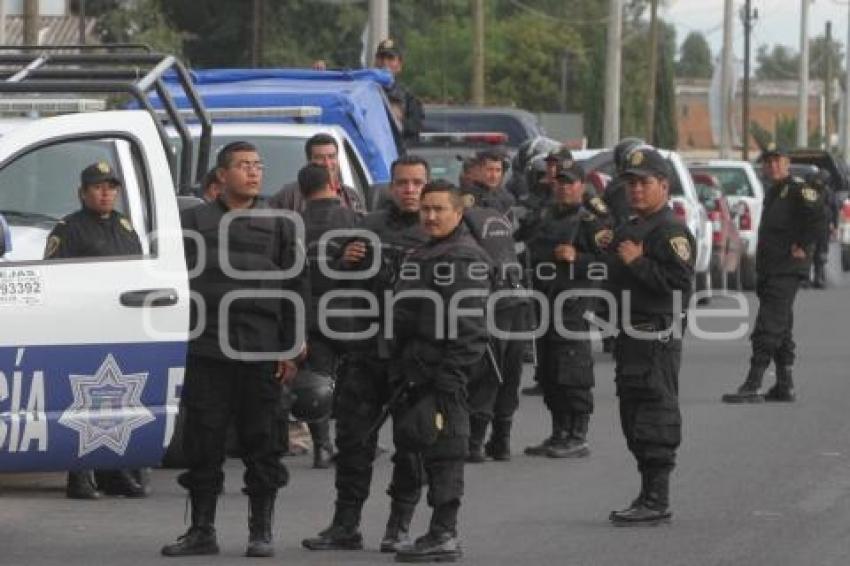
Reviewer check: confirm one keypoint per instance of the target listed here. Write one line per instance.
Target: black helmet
(312, 395)
(535, 170)
(622, 151)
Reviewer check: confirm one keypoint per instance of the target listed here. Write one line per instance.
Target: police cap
(100, 172)
(388, 48)
(562, 155)
(570, 174)
(646, 161)
(772, 150)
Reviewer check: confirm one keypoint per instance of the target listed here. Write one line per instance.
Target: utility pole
(803, 104)
(31, 22)
(613, 64)
(2, 22)
(478, 52)
(845, 122)
(745, 94)
(653, 72)
(827, 81)
(726, 83)
(257, 34)
(82, 22)
(379, 26)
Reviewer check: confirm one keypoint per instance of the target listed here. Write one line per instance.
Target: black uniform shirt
(793, 213)
(86, 233)
(666, 266)
(480, 195)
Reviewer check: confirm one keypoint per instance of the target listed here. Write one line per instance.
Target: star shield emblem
(107, 408)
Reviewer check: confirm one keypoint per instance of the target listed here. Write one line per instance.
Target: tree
(778, 64)
(695, 60)
(132, 22)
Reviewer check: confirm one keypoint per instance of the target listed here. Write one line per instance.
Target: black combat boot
(81, 485)
(749, 391)
(200, 539)
(557, 433)
(396, 536)
(322, 448)
(820, 276)
(499, 445)
(477, 430)
(260, 523)
(651, 508)
(783, 391)
(535, 390)
(342, 534)
(575, 443)
(440, 543)
(121, 482)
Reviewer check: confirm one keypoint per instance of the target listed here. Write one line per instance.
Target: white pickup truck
(92, 350)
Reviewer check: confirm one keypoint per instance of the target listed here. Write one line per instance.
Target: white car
(745, 194)
(281, 146)
(683, 200)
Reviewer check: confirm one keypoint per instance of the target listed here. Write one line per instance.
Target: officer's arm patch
(126, 225)
(599, 205)
(682, 247)
(468, 200)
(603, 237)
(53, 243)
(809, 194)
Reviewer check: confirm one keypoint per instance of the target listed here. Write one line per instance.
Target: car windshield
(733, 180)
(282, 157)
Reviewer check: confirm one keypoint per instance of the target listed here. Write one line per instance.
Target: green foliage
(786, 131)
(779, 63)
(695, 61)
(761, 135)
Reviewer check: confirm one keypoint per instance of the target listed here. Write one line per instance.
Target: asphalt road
(755, 485)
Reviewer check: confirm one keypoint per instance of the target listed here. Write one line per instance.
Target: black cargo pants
(772, 334)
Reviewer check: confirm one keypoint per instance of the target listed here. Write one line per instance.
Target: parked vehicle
(683, 200)
(727, 247)
(92, 350)
(445, 151)
(519, 125)
(745, 194)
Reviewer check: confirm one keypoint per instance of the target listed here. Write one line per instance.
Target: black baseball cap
(646, 161)
(100, 172)
(388, 48)
(772, 150)
(571, 173)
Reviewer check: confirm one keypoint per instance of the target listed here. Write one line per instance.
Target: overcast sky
(778, 21)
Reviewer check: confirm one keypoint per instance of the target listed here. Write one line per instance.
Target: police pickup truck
(91, 350)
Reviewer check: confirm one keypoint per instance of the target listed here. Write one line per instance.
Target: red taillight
(716, 226)
(745, 221)
(845, 210)
(680, 211)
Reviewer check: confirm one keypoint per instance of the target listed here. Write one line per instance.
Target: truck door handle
(150, 298)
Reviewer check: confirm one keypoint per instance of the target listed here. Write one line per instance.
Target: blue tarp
(351, 99)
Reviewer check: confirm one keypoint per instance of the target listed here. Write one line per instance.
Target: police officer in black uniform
(485, 181)
(433, 420)
(96, 230)
(792, 219)
(652, 268)
(222, 381)
(494, 391)
(821, 181)
(323, 212)
(565, 251)
(389, 56)
(364, 383)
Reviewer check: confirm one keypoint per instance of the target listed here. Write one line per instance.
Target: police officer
(323, 212)
(97, 229)
(222, 382)
(615, 196)
(389, 56)
(651, 266)
(493, 391)
(320, 149)
(486, 178)
(792, 219)
(364, 382)
(433, 420)
(821, 181)
(565, 251)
